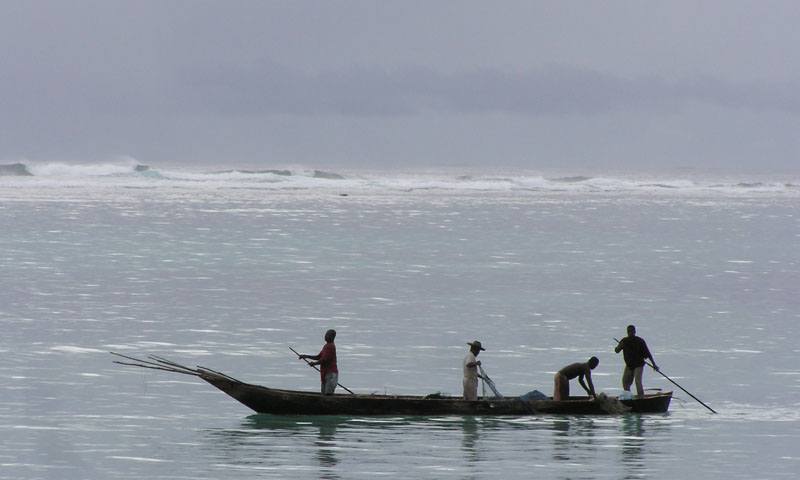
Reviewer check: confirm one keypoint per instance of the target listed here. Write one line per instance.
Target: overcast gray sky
(600, 84)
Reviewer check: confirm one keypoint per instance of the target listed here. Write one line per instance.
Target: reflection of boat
(275, 401)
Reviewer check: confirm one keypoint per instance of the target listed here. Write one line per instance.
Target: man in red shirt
(326, 359)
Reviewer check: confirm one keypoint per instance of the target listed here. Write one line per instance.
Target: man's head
(330, 335)
(594, 362)
(475, 347)
(631, 330)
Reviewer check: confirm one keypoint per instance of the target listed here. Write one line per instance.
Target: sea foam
(130, 174)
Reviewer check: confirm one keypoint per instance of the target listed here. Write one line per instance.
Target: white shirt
(470, 372)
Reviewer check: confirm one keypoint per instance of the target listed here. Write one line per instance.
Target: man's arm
(655, 367)
(650, 356)
(590, 389)
(317, 357)
(476, 363)
(591, 385)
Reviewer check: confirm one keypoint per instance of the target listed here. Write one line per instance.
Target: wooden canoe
(291, 402)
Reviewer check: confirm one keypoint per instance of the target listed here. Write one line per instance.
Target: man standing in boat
(580, 370)
(326, 359)
(634, 351)
(471, 371)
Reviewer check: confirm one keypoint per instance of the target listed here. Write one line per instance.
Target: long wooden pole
(676, 384)
(317, 369)
(687, 392)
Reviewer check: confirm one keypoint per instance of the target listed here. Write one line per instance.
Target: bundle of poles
(155, 362)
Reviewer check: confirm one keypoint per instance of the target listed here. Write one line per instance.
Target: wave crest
(130, 173)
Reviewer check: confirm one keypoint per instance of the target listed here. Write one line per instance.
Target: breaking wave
(135, 175)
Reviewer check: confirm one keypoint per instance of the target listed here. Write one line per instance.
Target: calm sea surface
(231, 278)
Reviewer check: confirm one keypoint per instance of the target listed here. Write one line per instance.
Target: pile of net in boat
(533, 395)
(611, 404)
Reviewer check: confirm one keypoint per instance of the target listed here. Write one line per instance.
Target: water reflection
(324, 426)
(263, 442)
(571, 437)
(326, 447)
(469, 447)
(581, 441)
(640, 434)
(469, 425)
(632, 427)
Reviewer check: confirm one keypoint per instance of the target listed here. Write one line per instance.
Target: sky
(633, 85)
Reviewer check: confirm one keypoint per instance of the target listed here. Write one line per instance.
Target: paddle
(676, 384)
(317, 369)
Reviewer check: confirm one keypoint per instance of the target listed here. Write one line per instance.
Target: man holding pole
(634, 351)
(326, 359)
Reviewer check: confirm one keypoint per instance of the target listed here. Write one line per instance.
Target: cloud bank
(266, 87)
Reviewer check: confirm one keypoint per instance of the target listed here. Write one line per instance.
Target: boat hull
(289, 402)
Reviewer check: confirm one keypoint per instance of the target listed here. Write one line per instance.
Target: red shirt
(327, 358)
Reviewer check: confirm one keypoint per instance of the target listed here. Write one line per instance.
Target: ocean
(228, 269)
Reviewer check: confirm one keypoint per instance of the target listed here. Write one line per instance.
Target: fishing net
(488, 381)
(611, 404)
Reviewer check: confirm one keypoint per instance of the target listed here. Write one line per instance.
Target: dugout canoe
(291, 402)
